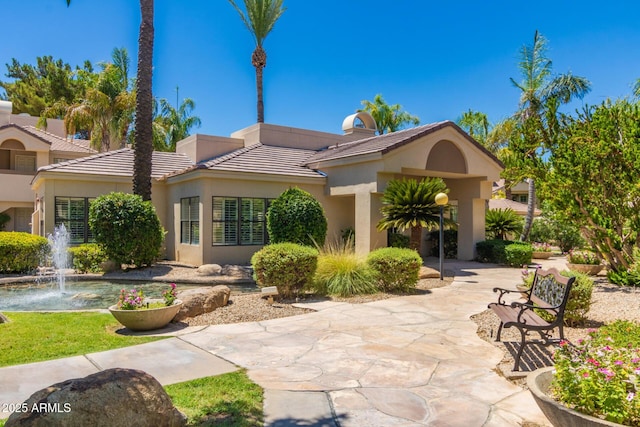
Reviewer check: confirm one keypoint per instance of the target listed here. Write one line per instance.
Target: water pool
(78, 295)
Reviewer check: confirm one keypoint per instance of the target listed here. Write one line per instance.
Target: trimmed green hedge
(87, 258)
(287, 266)
(398, 269)
(297, 217)
(508, 252)
(21, 252)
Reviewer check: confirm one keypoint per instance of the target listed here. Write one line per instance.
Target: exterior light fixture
(441, 200)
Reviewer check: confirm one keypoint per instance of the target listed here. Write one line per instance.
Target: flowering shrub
(170, 295)
(130, 300)
(600, 376)
(541, 247)
(583, 257)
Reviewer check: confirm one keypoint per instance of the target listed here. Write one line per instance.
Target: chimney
(359, 123)
(5, 112)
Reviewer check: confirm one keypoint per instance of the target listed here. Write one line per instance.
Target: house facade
(23, 149)
(212, 194)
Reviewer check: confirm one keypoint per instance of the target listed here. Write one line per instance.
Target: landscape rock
(114, 397)
(428, 273)
(202, 300)
(209, 270)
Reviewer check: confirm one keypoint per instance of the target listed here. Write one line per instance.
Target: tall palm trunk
(144, 105)
(415, 238)
(531, 205)
(259, 60)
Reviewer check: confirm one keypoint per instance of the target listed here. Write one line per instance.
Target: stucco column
(367, 215)
(471, 226)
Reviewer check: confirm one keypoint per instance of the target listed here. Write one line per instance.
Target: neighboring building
(518, 201)
(213, 193)
(517, 207)
(23, 149)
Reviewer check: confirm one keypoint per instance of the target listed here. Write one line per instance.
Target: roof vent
(360, 122)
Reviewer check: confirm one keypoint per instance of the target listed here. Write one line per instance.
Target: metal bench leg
(522, 344)
(499, 331)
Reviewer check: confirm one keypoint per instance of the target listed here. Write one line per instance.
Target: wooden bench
(549, 292)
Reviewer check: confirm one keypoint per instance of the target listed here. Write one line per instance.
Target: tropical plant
(389, 118)
(540, 96)
(260, 18)
(107, 108)
(636, 88)
(476, 124)
(127, 228)
(410, 204)
(172, 125)
(296, 216)
(501, 223)
(606, 206)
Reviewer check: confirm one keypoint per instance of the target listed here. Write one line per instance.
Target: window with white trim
(190, 220)
(73, 212)
(239, 221)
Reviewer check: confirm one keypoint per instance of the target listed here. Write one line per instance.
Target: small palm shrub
(87, 258)
(296, 217)
(398, 269)
(287, 266)
(21, 252)
(502, 223)
(126, 228)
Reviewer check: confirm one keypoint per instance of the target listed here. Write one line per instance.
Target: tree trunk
(415, 239)
(531, 206)
(259, 60)
(143, 141)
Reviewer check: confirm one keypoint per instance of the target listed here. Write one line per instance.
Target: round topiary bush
(87, 258)
(398, 269)
(21, 252)
(287, 266)
(127, 228)
(297, 217)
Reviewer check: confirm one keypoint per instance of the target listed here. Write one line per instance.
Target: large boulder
(428, 273)
(209, 270)
(202, 300)
(115, 397)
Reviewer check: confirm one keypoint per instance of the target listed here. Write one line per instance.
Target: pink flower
(585, 375)
(630, 396)
(619, 362)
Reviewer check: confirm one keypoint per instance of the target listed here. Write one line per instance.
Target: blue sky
(436, 59)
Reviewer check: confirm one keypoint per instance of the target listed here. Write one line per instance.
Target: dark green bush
(518, 254)
(126, 228)
(508, 252)
(398, 269)
(492, 251)
(398, 240)
(296, 217)
(288, 266)
(21, 252)
(87, 258)
(450, 243)
(4, 219)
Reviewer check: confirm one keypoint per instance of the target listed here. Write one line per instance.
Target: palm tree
(143, 140)
(476, 124)
(389, 118)
(260, 18)
(175, 124)
(636, 88)
(500, 223)
(540, 96)
(107, 108)
(410, 204)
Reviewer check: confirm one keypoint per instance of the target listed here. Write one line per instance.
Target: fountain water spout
(59, 245)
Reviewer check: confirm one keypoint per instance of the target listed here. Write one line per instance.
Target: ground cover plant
(33, 337)
(224, 400)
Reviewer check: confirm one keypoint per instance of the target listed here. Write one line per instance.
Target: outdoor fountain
(59, 246)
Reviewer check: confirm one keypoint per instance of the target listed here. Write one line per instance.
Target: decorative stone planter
(589, 269)
(559, 415)
(541, 255)
(147, 319)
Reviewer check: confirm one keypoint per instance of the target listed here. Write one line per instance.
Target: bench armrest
(503, 292)
(524, 307)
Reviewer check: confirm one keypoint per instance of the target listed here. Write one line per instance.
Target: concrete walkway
(406, 361)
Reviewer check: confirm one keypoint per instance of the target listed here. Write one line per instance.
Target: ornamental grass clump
(600, 376)
(344, 274)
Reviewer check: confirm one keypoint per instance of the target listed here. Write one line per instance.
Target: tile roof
(265, 159)
(517, 207)
(387, 142)
(120, 163)
(57, 143)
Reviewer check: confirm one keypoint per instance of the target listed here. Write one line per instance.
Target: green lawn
(225, 400)
(34, 337)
